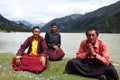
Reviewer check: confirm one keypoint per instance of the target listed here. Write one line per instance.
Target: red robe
(29, 62)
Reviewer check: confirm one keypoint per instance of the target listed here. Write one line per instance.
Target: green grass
(53, 72)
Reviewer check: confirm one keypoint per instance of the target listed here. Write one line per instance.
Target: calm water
(10, 42)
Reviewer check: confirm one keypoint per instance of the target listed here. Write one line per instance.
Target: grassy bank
(53, 72)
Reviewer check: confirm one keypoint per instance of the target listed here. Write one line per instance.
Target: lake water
(10, 42)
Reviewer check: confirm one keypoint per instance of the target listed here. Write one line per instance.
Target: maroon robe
(51, 40)
(28, 62)
(55, 54)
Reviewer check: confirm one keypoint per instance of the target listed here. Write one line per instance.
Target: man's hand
(91, 49)
(18, 61)
(55, 47)
(42, 60)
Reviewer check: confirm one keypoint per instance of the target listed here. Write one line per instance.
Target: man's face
(54, 28)
(92, 36)
(36, 32)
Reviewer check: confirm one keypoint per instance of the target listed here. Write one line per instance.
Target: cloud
(36, 11)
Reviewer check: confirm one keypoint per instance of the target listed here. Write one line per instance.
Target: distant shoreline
(45, 32)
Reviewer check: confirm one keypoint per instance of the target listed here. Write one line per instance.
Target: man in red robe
(35, 60)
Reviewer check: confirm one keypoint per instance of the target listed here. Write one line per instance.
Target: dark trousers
(91, 68)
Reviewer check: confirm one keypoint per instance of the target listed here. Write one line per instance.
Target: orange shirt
(100, 48)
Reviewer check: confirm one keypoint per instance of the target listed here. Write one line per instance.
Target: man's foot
(102, 77)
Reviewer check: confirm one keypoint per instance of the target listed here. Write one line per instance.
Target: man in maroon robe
(53, 40)
(35, 60)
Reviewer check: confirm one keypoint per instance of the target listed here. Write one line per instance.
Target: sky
(43, 11)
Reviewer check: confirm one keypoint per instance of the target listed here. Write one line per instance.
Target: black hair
(35, 27)
(53, 24)
(90, 29)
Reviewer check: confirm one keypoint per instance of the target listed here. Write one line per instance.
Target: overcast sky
(37, 11)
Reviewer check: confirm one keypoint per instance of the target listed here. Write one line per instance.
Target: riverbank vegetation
(53, 72)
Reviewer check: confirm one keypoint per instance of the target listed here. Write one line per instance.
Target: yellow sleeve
(18, 57)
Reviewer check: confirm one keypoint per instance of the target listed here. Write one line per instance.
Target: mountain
(40, 24)
(26, 23)
(64, 23)
(30, 25)
(109, 23)
(105, 19)
(8, 26)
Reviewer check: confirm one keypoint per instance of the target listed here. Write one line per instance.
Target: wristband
(18, 57)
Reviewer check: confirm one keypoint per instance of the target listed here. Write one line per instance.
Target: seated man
(92, 59)
(35, 60)
(53, 40)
